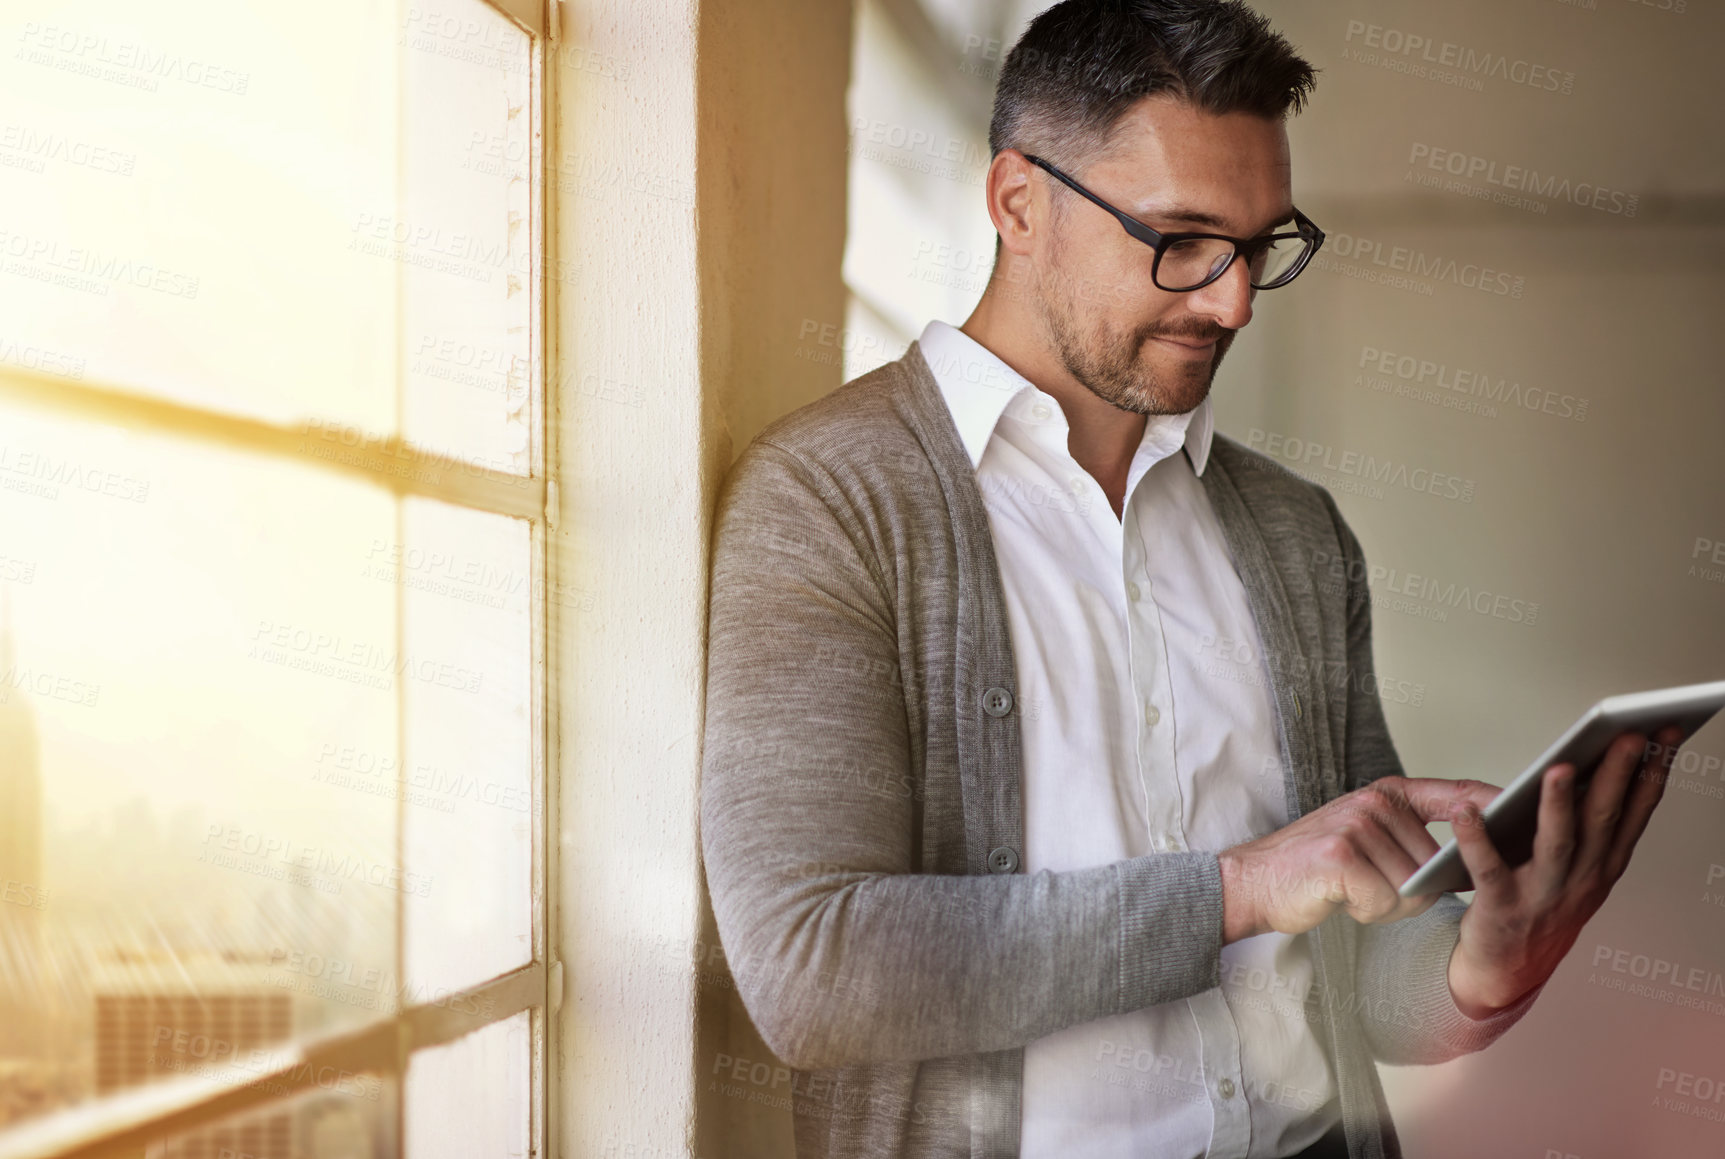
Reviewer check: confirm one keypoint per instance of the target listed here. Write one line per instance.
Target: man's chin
(1182, 388)
(1162, 403)
(1179, 402)
(1184, 379)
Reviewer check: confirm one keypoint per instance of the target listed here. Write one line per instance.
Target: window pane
(466, 578)
(199, 723)
(313, 212)
(351, 1116)
(466, 211)
(471, 1097)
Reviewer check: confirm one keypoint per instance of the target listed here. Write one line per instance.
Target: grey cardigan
(861, 806)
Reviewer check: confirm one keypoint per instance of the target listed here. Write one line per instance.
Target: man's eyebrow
(1183, 214)
(1286, 217)
(1186, 215)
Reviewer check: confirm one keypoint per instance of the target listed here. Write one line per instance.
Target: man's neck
(1101, 437)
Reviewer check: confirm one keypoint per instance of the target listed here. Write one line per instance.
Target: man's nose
(1228, 299)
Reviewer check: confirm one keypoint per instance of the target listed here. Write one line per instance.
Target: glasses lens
(1279, 261)
(1189, 264)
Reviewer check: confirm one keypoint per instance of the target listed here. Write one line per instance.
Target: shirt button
(1225, 1088)
(1039, 411)
(1152, 714)
(1003, 859)
(1076, 483)
(997, 702)
(1132, 592)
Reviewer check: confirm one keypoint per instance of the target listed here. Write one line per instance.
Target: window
(274, 594)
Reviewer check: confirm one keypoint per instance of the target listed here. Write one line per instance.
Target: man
(1049, 808)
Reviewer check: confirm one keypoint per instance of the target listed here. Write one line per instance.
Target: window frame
(124, 1124)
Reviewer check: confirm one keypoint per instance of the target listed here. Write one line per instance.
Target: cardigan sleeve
(1402, 971)
(843, 952)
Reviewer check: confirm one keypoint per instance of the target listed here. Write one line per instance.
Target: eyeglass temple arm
(1133, 226)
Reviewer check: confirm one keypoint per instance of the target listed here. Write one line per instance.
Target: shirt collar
(978, 386)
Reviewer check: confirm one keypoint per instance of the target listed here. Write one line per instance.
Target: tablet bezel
(1513, 814)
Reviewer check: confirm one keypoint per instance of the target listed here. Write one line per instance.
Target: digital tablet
(1513, 814)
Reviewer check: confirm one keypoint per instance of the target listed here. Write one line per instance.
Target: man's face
(1176, 169)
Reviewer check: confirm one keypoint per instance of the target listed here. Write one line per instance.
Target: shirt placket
(1153, 701)
(1164, 804)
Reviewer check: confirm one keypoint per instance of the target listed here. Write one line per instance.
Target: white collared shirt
(1142, 733)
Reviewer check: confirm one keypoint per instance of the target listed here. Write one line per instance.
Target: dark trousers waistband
(1333, 1145)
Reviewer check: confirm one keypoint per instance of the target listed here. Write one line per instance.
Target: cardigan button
(997, 702)
(1003, 859)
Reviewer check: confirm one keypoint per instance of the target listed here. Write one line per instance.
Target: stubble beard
(1116, 368)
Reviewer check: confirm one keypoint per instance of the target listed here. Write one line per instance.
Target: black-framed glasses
(1191, 261)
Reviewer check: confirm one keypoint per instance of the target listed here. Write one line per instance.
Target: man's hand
(1353, 854)
(1523, 920)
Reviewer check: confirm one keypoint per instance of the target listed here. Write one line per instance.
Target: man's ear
(1014, 204)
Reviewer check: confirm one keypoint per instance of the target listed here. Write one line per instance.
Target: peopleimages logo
(1469, 167)
(126, 62)
(88, 269)
(1371, 255)
(1422, 55)
(40, 359)
(1381, 579)
(35, 148)
(1708, 550)
(1306, 455)
(1698, 1096)
(1658, 979)
(1473, 384)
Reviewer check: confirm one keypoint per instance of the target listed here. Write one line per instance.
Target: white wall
(698, 244)
(633, 537)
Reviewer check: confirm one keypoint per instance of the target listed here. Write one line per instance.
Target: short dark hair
(1083, 63)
